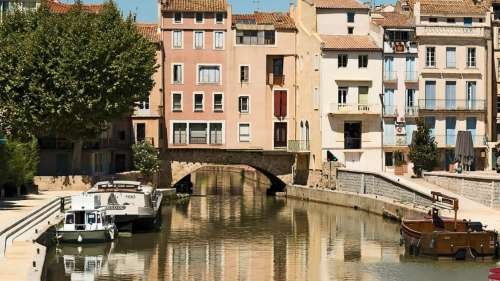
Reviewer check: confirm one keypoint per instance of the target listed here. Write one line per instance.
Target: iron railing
(343, 108)
(452, 104)
(298, 146)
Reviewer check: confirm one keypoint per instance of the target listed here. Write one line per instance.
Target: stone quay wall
(481, 188)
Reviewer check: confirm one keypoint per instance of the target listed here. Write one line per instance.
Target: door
(450, 94)
(430, 94)
(278, 66)
(411, 75)
(389, 107)
(471, 95)
(471, 127)
(352, 135)
(140, 132)
(280, 104)
(389, 68)
(410, 102)
(451, 123)
(280, 134)
(352, 160)
(363, 99)
(389, 137)
(120, 161)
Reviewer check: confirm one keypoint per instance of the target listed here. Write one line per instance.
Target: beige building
(454, 66)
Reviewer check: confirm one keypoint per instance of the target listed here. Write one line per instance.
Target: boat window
(80, 217)
(98, 218)
(91, 218)
(70, 219)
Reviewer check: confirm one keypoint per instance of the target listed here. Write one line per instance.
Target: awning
(464, 147)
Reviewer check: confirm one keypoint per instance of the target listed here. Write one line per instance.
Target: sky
(146, 10)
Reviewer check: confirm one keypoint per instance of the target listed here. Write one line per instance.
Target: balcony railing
(394, 140)
(276, 79)
(198, 140)
(390, 110)
(298, 146)
(411, 76)
(449, 140)
(452, 104)
(342, 108)
(411, 111)
(390, 76)
(451, 31)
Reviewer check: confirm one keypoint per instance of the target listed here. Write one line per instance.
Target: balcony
(395, 140)
(411, 77)
(390, 77)
(355, 109)
(452, 31)
(298, 146)
(276, 79)
(450, 140)
(451, 105)
(411, 111)
(390, 111)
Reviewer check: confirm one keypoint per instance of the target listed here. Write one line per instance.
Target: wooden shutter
(283, 104)
(277, 104)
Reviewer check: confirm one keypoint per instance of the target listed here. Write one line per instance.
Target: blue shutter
(389, 138)
(471, 126)
(430, 121)
(430, 94)
(451, 123)
(451, 94)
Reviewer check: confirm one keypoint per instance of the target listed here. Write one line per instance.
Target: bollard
(36, 231)
(34, 264)
(48, 222)
(38, 251)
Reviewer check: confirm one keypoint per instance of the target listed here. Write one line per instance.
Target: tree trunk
(77, 157)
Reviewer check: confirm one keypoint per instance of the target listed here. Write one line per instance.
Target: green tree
(18, 162)
(146, 159)
(423, 149)
(70, 75)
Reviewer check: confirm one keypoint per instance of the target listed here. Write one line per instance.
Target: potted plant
(400, 163)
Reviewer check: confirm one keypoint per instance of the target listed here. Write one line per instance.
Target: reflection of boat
(130, 202)
(446, 237)
(83, 263)
(86, 222)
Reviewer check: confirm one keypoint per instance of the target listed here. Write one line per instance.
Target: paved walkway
(468, 209)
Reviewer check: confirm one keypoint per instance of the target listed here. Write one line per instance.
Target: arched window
(302, 131)
(307, 131)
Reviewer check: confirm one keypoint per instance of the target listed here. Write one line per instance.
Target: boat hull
(88, 236)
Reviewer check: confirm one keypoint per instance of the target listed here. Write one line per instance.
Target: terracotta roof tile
(349, 42)
(339, 4)
(281, 21)
(149, 31)
(393, 19)
(57, 7)
(194, 5)
(451, 7)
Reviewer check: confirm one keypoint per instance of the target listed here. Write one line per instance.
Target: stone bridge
(178, 163)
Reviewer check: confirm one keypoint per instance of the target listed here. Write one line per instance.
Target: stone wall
(78, 182)
(363, 182)
(484, 189)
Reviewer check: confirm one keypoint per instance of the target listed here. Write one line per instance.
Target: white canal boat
(86, 222)
(133, 205)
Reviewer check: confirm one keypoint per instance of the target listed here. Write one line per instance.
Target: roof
(393, 19)
(149, 31)
(349, 42)
(280, 21)
(451, 7)
(57, 7)
(194, 5)
(339, 4)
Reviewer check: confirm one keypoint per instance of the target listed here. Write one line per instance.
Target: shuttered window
(280, 104)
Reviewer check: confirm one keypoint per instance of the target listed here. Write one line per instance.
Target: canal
(251, 236)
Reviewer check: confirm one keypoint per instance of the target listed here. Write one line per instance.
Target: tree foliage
(69, 75)
(18, 162)
(423, 149)
(146, 159)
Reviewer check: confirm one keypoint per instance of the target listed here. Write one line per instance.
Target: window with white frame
(179, 133)
(177, 41)
(198, 39)
(177, 102)
(198, 133)
(144, 105)
(216, 133)
(219, 18)
(178, 17)
(177, 73)
(219, 40)
(430, 57)
(244, 104)
(342, 60)
(199, 17)
(244, 73)
(209, 74)
(198, 102)
(244, 132)
(450, 57)
(218, 102)
(471, 57)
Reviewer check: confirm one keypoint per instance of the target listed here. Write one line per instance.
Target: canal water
(251, 236)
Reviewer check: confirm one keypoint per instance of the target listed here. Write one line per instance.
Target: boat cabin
(86, 220)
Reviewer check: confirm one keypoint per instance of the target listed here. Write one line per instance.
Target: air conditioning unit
(400, 119)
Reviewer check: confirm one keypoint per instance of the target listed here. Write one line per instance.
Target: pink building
(195, 40)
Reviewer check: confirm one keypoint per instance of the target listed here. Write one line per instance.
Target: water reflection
(257, 238)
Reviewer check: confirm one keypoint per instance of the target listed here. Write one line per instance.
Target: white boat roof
(115, 183)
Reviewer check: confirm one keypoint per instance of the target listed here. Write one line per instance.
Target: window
(216, 133)
(121, 135)
(433, 20)
(450, 94)
(398, 35)
(278, 66)
(199, 17)
(219, 40)
(244, 73)
(280, 103)
(472, 103)
(350, 30)
(219, 18)
(342, 60)
(430, 57)
(363, 61)
(180, 133)
(450, 20)
(177, 39)
(244, 104)
(451, 57)
(198, 102)
(280, 134)
(350, 17)
(144, 105)
(388, 159)
(176, 102)
(198, 133)
(177, 17)
(140, 132)
(198, 39)
(244, 132)
(177, 73)
(410, 98)
(254, 37)
(468, 21)
(342, 95)
(352, 135)
(218, 102)
(209, 74)
(363, 95)
(471, 57)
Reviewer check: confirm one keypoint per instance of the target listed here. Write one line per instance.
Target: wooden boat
(447, 237)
